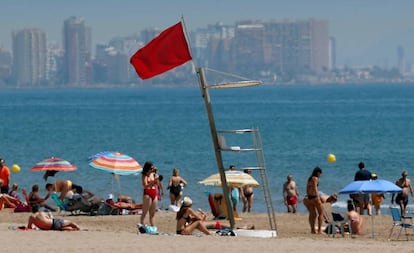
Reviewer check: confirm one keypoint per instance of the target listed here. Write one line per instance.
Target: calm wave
(299, 126)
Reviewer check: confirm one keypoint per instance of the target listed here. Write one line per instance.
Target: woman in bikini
(402, 197)
(313, 201)
(150, 196)
(188, 220)
(247, 195)
(175, 185)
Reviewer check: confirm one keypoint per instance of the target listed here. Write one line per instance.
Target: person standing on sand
(402, 198)
(175, 185)
(290, 194)
(313, 202)
(377, 198)
(247, 194)
(150, 196)
(361, 201)
(5, 176)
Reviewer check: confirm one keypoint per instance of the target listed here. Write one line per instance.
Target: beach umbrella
(99, 154)
(116, 163)
(53, 165)
(370, 186)
(234, 178)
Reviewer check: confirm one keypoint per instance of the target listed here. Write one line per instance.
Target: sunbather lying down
(44, 221)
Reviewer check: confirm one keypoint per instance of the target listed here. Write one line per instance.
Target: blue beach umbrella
(370, 186)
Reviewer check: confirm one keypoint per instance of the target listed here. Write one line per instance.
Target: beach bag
(226, 232)
(147, 229)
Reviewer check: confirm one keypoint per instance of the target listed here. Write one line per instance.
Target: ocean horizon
(299, 125)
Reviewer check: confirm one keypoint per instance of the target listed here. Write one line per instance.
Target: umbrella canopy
(97, 155)
(370, 186)
(234, 178)
(53, 165)
(116, 163)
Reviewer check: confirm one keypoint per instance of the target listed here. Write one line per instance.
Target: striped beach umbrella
(97, 155)
(116, 163)
(53, 163)
(234, 178)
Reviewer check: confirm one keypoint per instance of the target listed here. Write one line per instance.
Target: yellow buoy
(331, 158)
(15, 168)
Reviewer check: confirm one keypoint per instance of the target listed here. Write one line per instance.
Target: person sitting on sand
(355, 218)
(36, 200)
(6, 200)
(44, 221)
(188, 220)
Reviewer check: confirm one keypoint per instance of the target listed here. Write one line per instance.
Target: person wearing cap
(188, 220)
(376, 198)
(5, 176)
(402, 198)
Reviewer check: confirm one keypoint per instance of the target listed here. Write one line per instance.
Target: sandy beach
(119, 233)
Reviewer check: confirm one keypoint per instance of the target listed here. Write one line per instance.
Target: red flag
(166, 51)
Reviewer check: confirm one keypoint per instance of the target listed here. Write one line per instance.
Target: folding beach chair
(400, 221)
(335, 222)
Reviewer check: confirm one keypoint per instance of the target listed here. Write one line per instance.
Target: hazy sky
(367, 31)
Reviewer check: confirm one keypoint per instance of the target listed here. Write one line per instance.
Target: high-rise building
(401, 60)
(332, 53)
(30, 55)
(5, 64)
(288, 48)
(77, 46)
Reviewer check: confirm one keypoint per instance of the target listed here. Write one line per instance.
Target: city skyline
(367, 32)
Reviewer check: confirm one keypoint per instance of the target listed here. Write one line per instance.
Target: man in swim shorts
(290, 194)
(44, 221)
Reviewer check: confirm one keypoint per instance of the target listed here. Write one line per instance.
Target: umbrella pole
(372, 223)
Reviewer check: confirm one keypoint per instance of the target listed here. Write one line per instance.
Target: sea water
(299, 126)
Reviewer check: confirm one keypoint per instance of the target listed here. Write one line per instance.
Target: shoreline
(119, 233)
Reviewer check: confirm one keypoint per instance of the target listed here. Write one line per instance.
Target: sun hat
(110, 196)
(187, 202)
